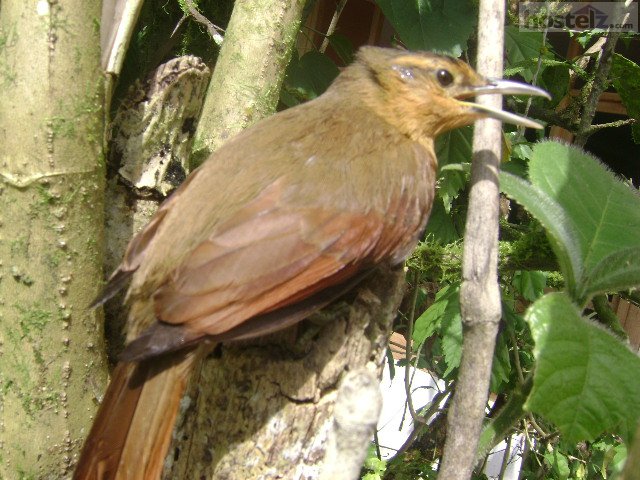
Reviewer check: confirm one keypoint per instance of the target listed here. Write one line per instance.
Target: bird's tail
(132, 430)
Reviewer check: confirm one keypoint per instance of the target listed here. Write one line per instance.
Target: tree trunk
(245, 85)
(52, 369)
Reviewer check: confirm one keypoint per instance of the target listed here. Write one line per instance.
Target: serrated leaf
(586, 381)
(446, 304)
(521, 47)
(604, 212)
(625, 76)
(451, 148)
(530, 283)
(617, 271)
(442, 26)
(560, 228)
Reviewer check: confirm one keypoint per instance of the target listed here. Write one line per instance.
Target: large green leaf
(625, 76)
(443, 26)
(523, 49)
(560, 228)
(605, 211)
(445, 305)
(585, 381)
(592, 218)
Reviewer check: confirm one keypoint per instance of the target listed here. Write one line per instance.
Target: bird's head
(425, 94)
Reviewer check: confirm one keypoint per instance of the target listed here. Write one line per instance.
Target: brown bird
(279, 222)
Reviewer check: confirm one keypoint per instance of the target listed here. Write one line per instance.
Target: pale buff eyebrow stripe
(425, 60)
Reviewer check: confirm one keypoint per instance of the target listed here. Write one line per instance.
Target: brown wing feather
(303, 251)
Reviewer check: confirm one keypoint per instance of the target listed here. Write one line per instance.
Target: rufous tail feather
(134, 424)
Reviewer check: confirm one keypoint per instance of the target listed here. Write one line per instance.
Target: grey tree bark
(52, 365)
(480, 294)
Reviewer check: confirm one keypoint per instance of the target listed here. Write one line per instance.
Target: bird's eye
(444, 77)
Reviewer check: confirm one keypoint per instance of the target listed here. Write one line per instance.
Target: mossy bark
(245, 85)
(51, 173)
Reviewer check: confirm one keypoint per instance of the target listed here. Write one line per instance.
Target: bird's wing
(271, 254)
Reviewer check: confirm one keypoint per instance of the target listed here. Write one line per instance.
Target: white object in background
(395, 424)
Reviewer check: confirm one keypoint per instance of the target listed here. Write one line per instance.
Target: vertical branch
(246, 81)
(599, 82)
(52, 369)
(479, 295)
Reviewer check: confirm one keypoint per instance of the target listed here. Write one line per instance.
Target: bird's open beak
(504, 87)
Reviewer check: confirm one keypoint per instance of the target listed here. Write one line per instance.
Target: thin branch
(480, 293)
(593, 89)
(332, 25)
(427, 414)
(505, 458)
(407, 370)
(539, 430)
(215, 32)
(601, 126)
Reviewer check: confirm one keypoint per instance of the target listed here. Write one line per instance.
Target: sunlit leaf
(442, 26)
(604, 210)
(521, 47)
(586, 381)
(446, 304)
(530, 283)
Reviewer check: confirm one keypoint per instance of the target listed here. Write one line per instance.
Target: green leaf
(451, 333)
(442, 26)
(441, 225)
(558, 463)
(445, 305)
(617, 271)
(604, 212)
(555, 80)
(343, 47)
(453, 147)
(625, 76)
(522, 48)
(585, 380)
(560, 228)
(530, 283)
(308, 78)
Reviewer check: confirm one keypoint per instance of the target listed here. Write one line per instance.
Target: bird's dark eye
(444, 77)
